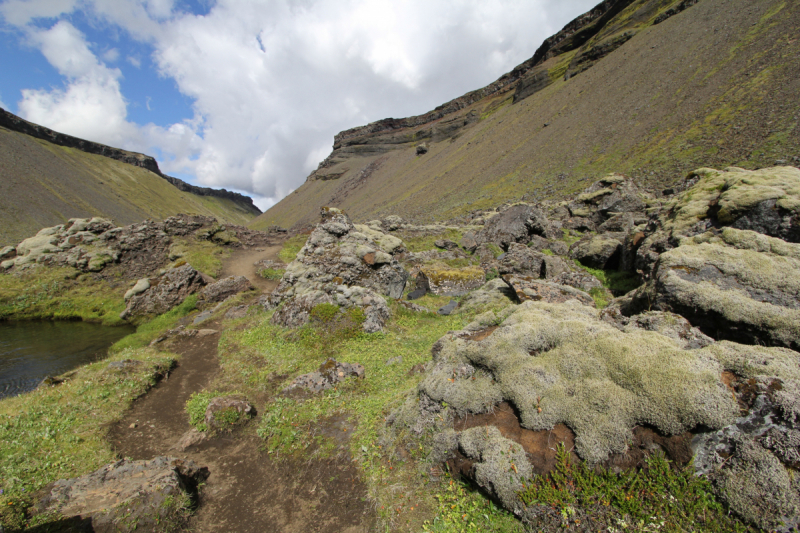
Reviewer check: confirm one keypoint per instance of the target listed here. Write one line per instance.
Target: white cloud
(273, 80)
(21, 12)
(111, 55)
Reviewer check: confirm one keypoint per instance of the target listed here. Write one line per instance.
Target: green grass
(615, 283)
(462, 508)
(60, 293)
(259, 358)
(204, 256)
(148, 331)
(273, 274)
(658, 497)
(291, 247)
(421, 243)
(59, 431)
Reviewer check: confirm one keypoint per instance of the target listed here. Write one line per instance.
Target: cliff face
(15, 123)
(650, 88)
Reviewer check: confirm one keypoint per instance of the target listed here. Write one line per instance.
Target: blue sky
(248, 94)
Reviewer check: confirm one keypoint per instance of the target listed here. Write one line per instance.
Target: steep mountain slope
(47, 178)
(649, 88)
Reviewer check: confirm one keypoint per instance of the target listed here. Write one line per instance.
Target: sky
(247, 94)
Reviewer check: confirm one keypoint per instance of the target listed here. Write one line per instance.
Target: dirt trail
(246, 491)
(241, 263)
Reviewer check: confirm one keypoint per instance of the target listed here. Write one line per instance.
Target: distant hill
(648, 88)
(48, 177)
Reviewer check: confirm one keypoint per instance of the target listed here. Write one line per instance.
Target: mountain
(48, 177)
(648, 88)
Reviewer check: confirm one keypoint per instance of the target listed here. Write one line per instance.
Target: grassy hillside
(713, 85)
(43, 184)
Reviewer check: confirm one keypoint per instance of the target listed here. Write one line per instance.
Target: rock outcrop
(129, 495)
(343, 264)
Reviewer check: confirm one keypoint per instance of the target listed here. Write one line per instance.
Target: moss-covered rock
(452, 281)
(737, 285)
(558, 363)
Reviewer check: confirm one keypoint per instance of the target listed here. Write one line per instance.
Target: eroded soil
(247, 490)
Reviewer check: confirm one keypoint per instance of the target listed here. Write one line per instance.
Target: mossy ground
(58, 432)
(422, 243)
(60, 293)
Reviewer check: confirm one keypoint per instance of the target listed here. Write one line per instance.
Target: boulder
(515, 224)
(494, 294)
(611, 195)
(225, 412)
(171, 289)
(450, 281)
(152, 495)
(445, 244)
(343, 264)
(468, 241)
(329, 374)
(529, 288)
(225, 288)
(599, 251)
(738, 285)
(519, 259)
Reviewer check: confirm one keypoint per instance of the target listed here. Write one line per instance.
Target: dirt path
(241, 263)
(246, 491)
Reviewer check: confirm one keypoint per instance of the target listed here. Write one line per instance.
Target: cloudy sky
(248, 94)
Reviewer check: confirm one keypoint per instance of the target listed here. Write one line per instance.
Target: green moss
(617, 283)
(60, 432)
(324, 312)
(60, 293)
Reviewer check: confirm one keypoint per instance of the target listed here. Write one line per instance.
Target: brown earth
(242, 263)
(247, 490)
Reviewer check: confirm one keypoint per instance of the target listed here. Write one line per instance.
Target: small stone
(449, 308)
(416, 293)
(133, 425)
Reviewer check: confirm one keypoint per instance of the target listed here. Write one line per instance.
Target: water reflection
(33, 350)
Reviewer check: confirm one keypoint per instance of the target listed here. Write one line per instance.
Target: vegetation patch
(61, 293)
(197, 404)
(148, 331)
(658, 497)
(204, 255)
(291, 247)
(462, 508)
(273, 274)
(420, 243)
(58, 432)
(616, 283)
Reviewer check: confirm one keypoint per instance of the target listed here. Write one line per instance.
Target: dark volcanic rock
(171, 289)
(600, 251)
(343, 264)
(225, 288)
(516, 224)
(128, 495)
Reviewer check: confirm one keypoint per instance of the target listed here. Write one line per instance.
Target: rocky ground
(611, 333)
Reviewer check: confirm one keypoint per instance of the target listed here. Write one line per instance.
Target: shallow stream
(32, 350)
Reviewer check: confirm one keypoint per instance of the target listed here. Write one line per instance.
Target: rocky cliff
(649, 88)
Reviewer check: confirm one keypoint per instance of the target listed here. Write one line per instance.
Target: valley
(568, 301)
